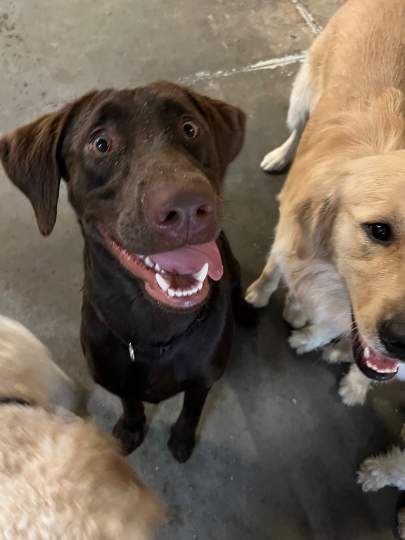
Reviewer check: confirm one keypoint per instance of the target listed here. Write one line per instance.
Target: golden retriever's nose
(187, 214)
(392, 336)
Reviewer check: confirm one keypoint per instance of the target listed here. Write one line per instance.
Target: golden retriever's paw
(351, 395)
(294, 315)
(256, 296)
(371, 475)
(303, 341)
(338, 353)
(354, 387)
(276, 160)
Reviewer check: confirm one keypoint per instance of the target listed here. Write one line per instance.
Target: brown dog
(60, 476)
(144, 171)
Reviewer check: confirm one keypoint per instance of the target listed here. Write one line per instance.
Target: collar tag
(131, 352)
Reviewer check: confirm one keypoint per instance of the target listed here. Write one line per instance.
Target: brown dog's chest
(155, 374)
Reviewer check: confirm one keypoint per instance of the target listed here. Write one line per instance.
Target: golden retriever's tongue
(190, 259)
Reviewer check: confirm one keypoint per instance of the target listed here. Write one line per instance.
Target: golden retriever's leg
(259, 292)
(294, 313)
(354, 387)
(299, 108)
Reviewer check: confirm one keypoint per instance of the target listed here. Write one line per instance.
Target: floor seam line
(262, 65)
(309, 19)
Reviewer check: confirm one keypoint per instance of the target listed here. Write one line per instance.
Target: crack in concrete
(262, 65)
(307, 16)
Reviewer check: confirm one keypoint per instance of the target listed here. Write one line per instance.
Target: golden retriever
(60, 477)
(340, 240)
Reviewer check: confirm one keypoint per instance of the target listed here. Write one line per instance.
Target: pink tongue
(381, 362)
(190, 259)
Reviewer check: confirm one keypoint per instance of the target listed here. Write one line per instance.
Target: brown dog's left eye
(102, 145)
(190, 129)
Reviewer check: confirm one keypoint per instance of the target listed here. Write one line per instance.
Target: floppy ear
(228, 124)
(316, 218)
(31, 158)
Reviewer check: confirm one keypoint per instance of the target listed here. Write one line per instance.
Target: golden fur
(349, 170)
(61, 478)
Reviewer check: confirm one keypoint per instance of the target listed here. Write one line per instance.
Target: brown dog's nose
(392, 335)
(183, 214)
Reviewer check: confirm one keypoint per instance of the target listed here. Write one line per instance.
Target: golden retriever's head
(369, 250)
(28, 372)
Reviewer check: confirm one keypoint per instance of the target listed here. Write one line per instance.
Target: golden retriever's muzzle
(372, 363)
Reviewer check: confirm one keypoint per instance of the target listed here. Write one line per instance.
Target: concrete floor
(278, 451)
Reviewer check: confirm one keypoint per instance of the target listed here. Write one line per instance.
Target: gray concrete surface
(278, 451)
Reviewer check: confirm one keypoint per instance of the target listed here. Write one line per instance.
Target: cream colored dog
(340, 241)
(60, 477)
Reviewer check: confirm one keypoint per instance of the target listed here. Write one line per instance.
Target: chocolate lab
(144, 170)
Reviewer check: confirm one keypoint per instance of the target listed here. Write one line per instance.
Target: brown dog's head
(363, 229)
(144, 170)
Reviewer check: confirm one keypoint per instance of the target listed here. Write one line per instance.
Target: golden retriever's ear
(31, 158)
(315, 218)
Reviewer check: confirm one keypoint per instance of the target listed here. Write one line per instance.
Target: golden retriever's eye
(379, 232)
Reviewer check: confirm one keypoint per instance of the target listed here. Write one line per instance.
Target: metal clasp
(131, 352)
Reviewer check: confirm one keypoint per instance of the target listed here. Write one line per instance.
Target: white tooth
(141, 256)
(178, 292)
(202, 274)
(149, 262)
(194, 290)
(367, 352)
(200, 286)
(162, 282)
(171, 292)
(157, 267)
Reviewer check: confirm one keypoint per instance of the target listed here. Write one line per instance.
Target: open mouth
(373, 364)
(178, 278)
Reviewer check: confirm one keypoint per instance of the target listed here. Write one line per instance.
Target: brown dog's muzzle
(182, 214)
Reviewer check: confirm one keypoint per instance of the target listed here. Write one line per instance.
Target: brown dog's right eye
(102, 144)
(190, 129)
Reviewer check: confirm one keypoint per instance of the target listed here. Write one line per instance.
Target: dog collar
(158, 349)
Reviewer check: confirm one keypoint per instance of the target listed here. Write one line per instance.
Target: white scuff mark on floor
(307, 16)
(262, 65)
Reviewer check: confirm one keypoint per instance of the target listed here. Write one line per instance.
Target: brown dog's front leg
(182, 437)
(130, 428)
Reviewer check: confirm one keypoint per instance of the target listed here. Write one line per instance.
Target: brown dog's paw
(129, 437)
(181, 449)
